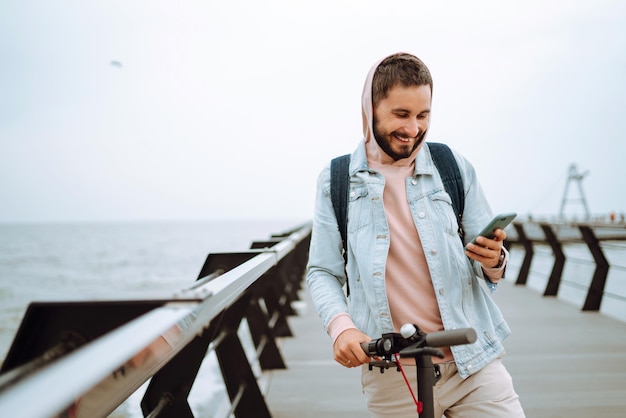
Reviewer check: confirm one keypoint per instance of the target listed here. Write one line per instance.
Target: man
(405, 261)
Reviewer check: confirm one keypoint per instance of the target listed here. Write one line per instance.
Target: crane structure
(574, 177)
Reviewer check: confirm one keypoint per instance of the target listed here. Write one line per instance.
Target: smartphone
(499, 221)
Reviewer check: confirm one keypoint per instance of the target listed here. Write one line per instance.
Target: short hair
(401, 68)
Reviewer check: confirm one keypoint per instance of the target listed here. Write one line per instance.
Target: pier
(567, 358)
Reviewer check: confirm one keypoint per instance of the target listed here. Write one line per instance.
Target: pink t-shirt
(410, 289)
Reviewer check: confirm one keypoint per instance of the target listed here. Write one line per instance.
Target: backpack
(445, 163)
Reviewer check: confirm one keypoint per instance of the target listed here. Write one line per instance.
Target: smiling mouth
(403, 138)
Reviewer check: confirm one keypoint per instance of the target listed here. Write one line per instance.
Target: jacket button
(421, 214)
(413, 182)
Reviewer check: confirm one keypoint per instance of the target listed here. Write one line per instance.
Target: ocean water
(58, 261)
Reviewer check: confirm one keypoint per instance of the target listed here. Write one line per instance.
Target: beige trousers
(488, 393)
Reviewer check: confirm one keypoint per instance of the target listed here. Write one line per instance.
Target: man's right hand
(347, 349)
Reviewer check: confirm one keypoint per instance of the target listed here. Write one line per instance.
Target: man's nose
(412, 128)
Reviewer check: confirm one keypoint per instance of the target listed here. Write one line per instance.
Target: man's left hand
(487, 251)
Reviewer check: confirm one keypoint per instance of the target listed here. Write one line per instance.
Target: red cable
(406, 380)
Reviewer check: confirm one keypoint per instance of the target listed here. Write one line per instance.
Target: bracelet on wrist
(500, 260)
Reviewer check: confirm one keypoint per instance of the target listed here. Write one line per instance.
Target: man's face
(401, 120)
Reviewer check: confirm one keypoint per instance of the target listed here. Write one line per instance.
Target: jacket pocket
(444, 211)
(359, 213)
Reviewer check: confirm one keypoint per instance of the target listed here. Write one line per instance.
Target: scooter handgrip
(452, 337)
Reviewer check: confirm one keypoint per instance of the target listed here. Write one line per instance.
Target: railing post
(552, 288)
(277, 305)
(522, 277)
(596, 288)
(241, 384)
(261, 324)
(174, 381)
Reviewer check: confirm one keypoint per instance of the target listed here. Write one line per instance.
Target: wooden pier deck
(564, 362)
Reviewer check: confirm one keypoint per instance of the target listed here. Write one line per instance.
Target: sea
(54, 261)
(81, 260)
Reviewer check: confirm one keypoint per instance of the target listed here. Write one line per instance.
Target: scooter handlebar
(393, 343)
(451, 337)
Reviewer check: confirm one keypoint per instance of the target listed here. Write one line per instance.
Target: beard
(384, 141)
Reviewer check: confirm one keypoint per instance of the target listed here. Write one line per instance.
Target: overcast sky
(148, 110)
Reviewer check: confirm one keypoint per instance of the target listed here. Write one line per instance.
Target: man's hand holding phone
(486, 248)
(487, 251)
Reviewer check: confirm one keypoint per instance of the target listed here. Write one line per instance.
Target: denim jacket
(463, 298)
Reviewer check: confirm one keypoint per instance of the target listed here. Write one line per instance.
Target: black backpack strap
(339, 189)
(451, 177)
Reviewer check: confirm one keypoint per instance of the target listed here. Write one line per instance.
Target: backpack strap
(451, 177)
(339, 189)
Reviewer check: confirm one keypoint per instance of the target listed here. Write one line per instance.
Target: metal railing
(83, 359)
(555, 235)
